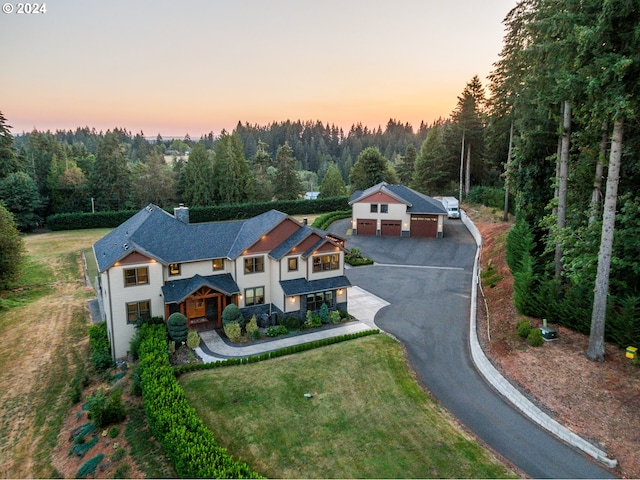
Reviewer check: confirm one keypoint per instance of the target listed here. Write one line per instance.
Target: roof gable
(416, 202)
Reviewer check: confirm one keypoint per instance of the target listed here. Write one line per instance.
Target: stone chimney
(182, 213)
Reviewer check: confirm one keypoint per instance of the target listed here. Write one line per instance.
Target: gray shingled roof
(177, 291)
(416, 202)
(301, 286)
(159, 235)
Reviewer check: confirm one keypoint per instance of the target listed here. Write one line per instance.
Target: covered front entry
(201, 299)
(204, 306)
(424, 226)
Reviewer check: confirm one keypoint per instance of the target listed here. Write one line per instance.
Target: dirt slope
(598, 401)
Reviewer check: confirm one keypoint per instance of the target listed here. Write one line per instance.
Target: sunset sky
(197, 66)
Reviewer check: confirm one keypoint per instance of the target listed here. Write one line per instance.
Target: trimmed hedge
(216, 213)
(189, 445)
(323, 221)
(303, 347)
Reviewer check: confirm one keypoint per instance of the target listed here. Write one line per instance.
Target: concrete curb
(500, 383)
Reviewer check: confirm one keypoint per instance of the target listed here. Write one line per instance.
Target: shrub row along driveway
(427, 283)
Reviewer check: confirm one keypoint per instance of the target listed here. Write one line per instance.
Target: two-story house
(156, 263)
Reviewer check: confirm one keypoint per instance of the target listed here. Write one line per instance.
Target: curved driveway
(427, 283)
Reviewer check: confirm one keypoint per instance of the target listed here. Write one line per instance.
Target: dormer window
(174, 269)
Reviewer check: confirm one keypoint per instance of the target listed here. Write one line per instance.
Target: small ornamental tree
(232, 313)
(324, 313)
(177, 327)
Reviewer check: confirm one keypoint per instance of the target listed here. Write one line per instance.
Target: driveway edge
(502, 385)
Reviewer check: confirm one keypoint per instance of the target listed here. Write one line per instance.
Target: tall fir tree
(197, 180)
(110, 179)
(287, 185)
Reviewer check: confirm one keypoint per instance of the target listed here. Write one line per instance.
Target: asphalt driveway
(427, 283)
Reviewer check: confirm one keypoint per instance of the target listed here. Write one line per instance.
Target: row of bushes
(187, 441)
(303, 347)
(323, 221)
(78, 221)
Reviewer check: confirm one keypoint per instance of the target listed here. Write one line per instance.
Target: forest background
(557, 133)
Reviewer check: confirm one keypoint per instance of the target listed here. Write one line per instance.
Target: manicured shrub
(177, 327)
(523, 328)
(193, 339)
(324, 313)
(252, 328)
(100, 348)
(291, 322)
(535, 338)
(232, 313)
(233, 331)
(276, 330)
(104, 409)
(114, 432)
(334, 316)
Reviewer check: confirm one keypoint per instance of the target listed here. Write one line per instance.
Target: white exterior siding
(251, 280)
(311, 275)
(116, 306)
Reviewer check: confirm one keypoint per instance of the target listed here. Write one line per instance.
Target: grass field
(368, 417)
(43, 325)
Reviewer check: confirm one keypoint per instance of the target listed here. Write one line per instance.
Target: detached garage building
(396, 210)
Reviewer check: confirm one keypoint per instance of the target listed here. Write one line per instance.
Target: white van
(450, 204)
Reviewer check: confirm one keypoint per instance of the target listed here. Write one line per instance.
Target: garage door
(424, 226)
(366, 226)
(391, 228)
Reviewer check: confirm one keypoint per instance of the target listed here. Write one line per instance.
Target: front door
(195, 307)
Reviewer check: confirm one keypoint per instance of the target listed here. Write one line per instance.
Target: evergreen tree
(197, 181)
(153, 181)
(110, 180)
(287, 185)
(429, 176)
(8, 160)
(263, 188)
(20, 195)
(231, 171)
(11, 249)
(406, 165)
(332, 184)
(370, 169)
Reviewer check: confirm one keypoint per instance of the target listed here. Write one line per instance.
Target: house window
(315, 300)
(293, 264)
(136, 276)
(138, 310)
(323, 263)
(374, 208)
(253, 296)
(254, 264)
(174, 269)
(384, 208)
(218, 264)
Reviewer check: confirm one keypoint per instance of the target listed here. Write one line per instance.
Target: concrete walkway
(362, 305)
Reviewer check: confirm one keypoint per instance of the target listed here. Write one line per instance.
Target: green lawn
(368, 417)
